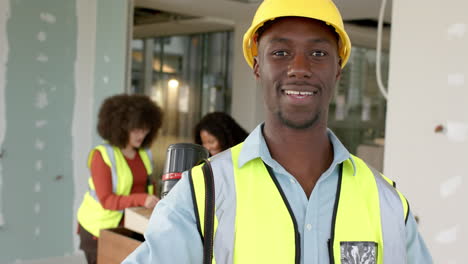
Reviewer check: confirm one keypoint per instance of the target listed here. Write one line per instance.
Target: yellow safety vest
(91, 215)
(265, 230)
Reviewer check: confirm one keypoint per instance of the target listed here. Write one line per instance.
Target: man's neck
(306, 153)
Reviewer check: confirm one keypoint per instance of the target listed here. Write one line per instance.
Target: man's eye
(318, 53)
(280, 53)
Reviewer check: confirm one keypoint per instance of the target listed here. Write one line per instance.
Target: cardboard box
(137, 218)
(115, 244)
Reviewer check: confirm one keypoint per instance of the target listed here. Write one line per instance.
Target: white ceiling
(237, 11)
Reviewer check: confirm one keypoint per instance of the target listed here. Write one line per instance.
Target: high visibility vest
(254, 222)
(91, 215)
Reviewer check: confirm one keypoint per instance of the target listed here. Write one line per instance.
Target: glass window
(188, 76)
(357, 112)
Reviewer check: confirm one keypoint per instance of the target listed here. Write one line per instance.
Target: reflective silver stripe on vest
(93, 194)
(392, 218)
(110, 154)
(225, 207)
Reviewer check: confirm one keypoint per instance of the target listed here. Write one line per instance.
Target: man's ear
(255, 67)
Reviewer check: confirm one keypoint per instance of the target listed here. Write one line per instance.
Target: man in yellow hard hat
(291, 192)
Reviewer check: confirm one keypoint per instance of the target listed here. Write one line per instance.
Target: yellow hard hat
(323, 10)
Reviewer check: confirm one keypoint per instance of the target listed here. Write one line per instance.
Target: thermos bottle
(180, 157)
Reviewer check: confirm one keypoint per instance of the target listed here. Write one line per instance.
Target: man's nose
(299, 67)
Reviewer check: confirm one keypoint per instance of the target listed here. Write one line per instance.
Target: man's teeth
(289, 92)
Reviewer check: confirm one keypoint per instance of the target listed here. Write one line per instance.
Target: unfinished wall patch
(41, 123)
(37, 208)
(37, 187)
(456, 79)
(38, 165)
(39, 144)
(42, 58)
(456, 31)
(447, 236)
(450, 186)
(48, 17)
(456, 131)
(42, 36)
(41, 100)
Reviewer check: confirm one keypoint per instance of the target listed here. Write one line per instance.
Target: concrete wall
(428, 87)
(58, 60)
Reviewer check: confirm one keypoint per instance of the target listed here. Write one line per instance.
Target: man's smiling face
(298, 67)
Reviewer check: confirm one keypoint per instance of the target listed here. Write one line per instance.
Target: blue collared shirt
(172, 235)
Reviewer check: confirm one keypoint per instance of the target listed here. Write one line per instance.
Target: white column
(428, 87)
(4, 16)
(83, 119)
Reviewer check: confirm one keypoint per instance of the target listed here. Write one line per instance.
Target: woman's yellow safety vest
(91, 215)
(255, 224)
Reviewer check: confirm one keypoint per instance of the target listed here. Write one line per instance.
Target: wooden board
(137, 218)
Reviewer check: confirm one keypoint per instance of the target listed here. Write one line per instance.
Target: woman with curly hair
(120, 168)
(218, 131)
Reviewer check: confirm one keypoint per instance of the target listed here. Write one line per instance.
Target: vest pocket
(358, 252)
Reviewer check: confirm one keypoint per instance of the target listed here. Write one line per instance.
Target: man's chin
(299, 124)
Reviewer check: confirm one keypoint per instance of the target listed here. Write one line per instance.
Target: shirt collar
(255, 147)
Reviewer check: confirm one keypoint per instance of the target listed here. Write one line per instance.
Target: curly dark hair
(119, 114)
(221, 125)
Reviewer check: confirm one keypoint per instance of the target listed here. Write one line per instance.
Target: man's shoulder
(221, 157)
